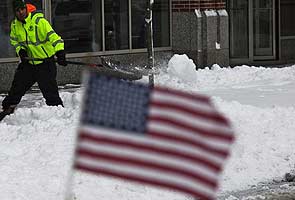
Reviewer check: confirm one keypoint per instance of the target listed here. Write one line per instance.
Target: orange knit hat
(30, 7)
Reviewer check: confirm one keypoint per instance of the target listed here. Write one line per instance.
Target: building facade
(258, 32)
(227, 32)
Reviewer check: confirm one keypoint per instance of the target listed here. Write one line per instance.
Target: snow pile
(182, 67)
(264, 147)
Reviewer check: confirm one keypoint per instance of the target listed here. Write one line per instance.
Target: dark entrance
(252, 30)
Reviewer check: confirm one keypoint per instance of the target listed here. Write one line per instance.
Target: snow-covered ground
(37, 142)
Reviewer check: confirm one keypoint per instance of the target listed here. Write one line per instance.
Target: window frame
(48, 15)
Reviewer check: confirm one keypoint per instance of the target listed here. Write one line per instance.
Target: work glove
(61, 58)
(23, 55)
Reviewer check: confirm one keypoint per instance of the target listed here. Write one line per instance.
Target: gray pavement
(264, 191)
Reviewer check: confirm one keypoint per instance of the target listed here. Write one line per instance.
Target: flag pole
(68, 195)
(149, 39)
(69, 182)
(69, 186)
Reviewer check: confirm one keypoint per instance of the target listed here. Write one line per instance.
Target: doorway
(252, 30)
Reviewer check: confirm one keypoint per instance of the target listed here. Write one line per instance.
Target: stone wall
(202, 35)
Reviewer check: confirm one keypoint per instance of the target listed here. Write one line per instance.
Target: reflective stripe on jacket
(36, 36)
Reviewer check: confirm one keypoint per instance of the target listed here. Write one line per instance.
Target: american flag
(157, 136)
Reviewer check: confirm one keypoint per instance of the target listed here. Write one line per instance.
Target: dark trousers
(26, 76)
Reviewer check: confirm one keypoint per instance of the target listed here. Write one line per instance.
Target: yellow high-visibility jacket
(36, 36)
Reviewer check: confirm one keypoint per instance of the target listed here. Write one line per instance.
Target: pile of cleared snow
(187, 71)
(264, 146)
(182, 74)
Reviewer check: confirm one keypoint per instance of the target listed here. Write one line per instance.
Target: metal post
(149, 39)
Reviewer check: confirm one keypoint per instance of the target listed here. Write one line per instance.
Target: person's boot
(9, 109)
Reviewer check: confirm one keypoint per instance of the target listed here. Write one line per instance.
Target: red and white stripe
(184, 147)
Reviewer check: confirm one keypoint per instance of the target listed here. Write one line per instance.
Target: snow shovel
(106, 68)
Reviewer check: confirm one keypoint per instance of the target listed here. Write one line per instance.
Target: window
(116, 24)
(138, 9)
(6, 15)
(79, 24)
(161, 23)
(287, 17)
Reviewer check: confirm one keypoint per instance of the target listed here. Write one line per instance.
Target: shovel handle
(68, 62)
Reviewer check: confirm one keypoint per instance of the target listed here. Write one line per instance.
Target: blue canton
(114, 103)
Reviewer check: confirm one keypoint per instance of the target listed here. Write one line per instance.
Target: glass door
(263, 29)
(239, 28)
(252, 30)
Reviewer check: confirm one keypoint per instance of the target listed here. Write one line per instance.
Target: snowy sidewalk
(269, 191)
